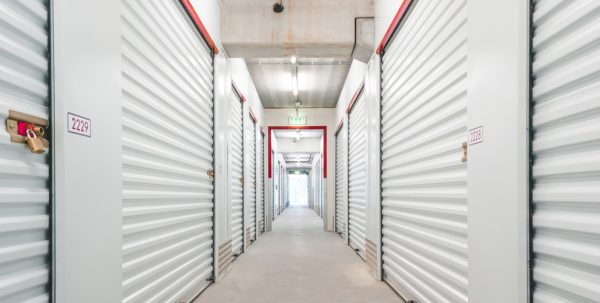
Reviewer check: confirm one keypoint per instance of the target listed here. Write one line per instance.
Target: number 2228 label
(79, 125)
(476, 135)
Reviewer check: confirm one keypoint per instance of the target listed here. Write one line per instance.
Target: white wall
(87, 171)
(355, 77)
(314, 116)
(385, 10)
(209, 12)
(497, 168)
(372, 92)
(222, 93)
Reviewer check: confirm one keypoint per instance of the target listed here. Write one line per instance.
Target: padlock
(35, 144)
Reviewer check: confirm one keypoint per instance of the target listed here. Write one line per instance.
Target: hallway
(298, 262)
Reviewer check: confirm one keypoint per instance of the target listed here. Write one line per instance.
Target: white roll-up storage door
(24, 191)
(357, 176)
(236, 194)
(340, 179)
(273, 185)
(424, 182)
(261, 200)
(566, 151)
(276, 179)
(251, 149)
(167, 153)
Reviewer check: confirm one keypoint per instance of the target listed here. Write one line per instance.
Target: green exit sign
(297, 120)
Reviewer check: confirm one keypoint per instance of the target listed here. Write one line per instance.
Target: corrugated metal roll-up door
(261, 200)
(424, 181)
(277, 181)
(273, 188)
(24, 191)
(167, 153)
(318, 191)
(236, 152)
(566, 151)
(251, 149)
(357, 176)
(282, 189)
(340, 178)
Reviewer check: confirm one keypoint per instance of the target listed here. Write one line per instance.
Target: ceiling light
(295, 89)
(293, 59)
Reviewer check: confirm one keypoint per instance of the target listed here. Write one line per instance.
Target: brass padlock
(35, 144)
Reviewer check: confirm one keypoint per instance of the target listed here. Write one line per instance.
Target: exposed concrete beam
(306, 28)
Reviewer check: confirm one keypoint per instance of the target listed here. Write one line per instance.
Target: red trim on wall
(199, 25)
(390, 31)
(355, 97)
(312, 127)
(339, 126)
(252, 115)
(238, 92)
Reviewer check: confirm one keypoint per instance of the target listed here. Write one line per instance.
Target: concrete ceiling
(320, 81)
(303, 133)
(323, 34)
(306, 28)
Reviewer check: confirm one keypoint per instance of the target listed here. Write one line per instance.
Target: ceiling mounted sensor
(278, 7)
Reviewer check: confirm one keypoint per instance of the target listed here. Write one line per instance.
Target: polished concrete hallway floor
(298, 262)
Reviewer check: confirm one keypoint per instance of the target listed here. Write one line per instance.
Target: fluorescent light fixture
(295, 86)
(293, 59)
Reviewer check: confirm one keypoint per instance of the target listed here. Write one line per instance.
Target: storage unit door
(357, 176)
(424, 181)
(24, 190)
(251, 149)
(340, 179)
(566, 151)
(236, 193)
(260, 210)
(167, 153)
(281, 189)
(273, 186)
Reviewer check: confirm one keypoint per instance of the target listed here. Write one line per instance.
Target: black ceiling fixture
(278, 7)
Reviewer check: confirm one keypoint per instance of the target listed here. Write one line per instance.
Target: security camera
(278, 7)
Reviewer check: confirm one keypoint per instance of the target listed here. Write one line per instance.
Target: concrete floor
(298, 262)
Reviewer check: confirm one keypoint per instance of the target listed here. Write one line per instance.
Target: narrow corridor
(298, 262)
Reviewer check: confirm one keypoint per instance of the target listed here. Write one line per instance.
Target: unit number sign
(79, 125)
(476, 135)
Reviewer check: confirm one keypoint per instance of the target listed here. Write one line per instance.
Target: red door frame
(311, 127)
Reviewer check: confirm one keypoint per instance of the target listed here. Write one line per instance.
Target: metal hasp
(24, 128)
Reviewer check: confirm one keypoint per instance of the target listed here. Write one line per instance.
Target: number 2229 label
(79, 125)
